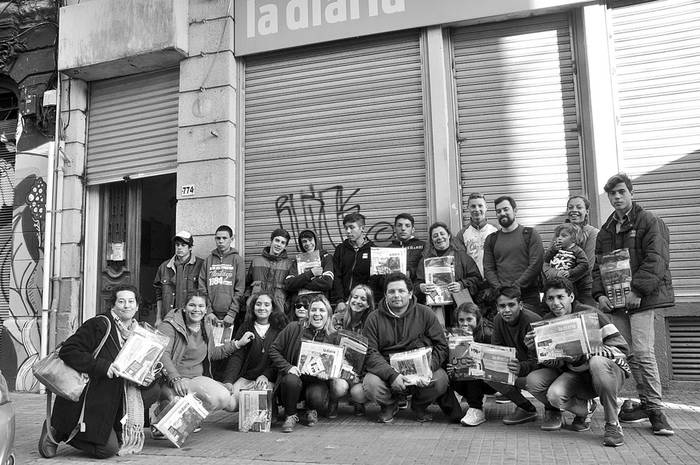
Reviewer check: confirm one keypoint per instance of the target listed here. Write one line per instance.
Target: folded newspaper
(492, 362)
(180, 418)
(355, 351)
(140, 353)
(385, 260)
(616, 274)
(307, 261)
(439, 271)
(321, 360)
(255, 410)
(458, 341)
(414, 364)
(221, 332)
(567, 336)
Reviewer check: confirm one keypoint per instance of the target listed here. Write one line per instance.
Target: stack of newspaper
(439, 271)
(222, 333)
(140, 353)
(321, 360)
(616, 274)
(255, 410)
(385, 260)
(458, 341)
(492, 362)
(355, 346)
(568, 336)
(180, 418)
(414, 365)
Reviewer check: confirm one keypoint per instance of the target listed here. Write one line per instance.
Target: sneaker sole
(637, 420)
(664, 432)
(581, 430)
(551, 427)
(473, 424)
(613, 444)
(519, 422)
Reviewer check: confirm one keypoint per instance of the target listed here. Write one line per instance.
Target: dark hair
(586, 203)
(437, 224)
(280, 232)
(467, 307)
(617, 179)
(298, 299)
(395, 276)
(558, 283)
(503, 198)
(358, 218)
(123, 287)
(197, 293)
(277, 318)
(509, 291)
(405, 216)
(224, 228)
(308, 234)
(571, 228)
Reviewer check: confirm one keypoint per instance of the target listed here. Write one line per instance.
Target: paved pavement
(357, 440)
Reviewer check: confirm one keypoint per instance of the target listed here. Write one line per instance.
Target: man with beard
(474, 235)
(514, 255)
(401, 324)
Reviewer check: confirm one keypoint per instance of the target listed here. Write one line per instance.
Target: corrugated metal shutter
(657, 61)
(132, 127)
(684, 335)
(517, 118)
(7, 184)
(331, 128)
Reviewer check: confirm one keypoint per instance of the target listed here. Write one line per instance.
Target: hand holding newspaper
(321, 360)
(414, 365)
(385, 260)
(355, 351)
(616, 274)
(492, 362)
(567, 337)
(222, 333)
(439, 271)
(140, 353)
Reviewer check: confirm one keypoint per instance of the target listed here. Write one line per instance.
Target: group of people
(275, 305)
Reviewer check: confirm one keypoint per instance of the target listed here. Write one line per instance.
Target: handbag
(60, 378)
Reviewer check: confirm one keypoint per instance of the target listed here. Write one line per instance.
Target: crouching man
(400, 324)
(573, 385)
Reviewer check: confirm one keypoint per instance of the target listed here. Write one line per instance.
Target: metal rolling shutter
(331, 128)
(684, 336)
(517, 118)
(132, 126)
(657, 61)
(7, 185)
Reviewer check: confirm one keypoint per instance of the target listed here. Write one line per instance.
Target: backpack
(527, 237)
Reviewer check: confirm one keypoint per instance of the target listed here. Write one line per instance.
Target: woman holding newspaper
(191, 349)
(293, 381)
(94, 424)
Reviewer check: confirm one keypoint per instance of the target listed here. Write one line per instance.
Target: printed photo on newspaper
(458, 341)
(439, 271)
(385, 260)
(222, 333)
(355, 346)
(492, 362)
(139, 354)
(255, 410)
(616, 274)
(308, 260)
(180, 418)
(414, 364)
(567, 336)
(324, 361)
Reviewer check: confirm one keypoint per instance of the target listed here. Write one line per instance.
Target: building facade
(187, 114)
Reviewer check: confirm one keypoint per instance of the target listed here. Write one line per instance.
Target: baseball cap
(185, 237)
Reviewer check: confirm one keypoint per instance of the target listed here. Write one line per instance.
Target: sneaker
(581, 424)
(501, 399)
(156, 434)
(632, 412)
(422, 416)
(289, 423)
(659, 424)
(359, 410)
(519, 416)
(474, 417)
(388, 412)
(47, 446)
(197, 429)
(311, 417)
(551, 421)
(613, 437)
(332, 408)
(402, 401)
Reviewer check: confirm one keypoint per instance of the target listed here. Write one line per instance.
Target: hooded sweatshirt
(266, 274)
(305, 282)
(388, 334)
(222, 277)
(350, 268)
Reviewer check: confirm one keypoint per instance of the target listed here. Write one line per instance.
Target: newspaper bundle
(616, 274)
(355, 346)
(413, 364)
(140, 353)
(567, 336)
(321, 360)
(307, 261)
(385, 260)
(221, 332)
(492, 362)
(458, 341)
(255, 410)
(439, 271)
(180, 418)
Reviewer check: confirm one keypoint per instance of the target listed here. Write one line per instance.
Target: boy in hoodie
(401, 324)
(351, 260)
(222, 276)
(314, 280)
(573, 385)
(268, 271)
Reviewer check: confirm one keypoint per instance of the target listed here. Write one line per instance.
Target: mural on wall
(322, 210)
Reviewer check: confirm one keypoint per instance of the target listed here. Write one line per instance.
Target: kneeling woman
(284, 354)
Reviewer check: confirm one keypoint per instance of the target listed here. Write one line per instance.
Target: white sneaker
(474, 417)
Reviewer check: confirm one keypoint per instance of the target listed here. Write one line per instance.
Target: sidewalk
(356, 440)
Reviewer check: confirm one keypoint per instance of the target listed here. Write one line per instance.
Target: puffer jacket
(646, 236)
(266, 274)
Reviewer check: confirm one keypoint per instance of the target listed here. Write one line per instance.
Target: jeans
(571, 391)
(638, 330)
(380, 392)
(292, 386)
(473, 390)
